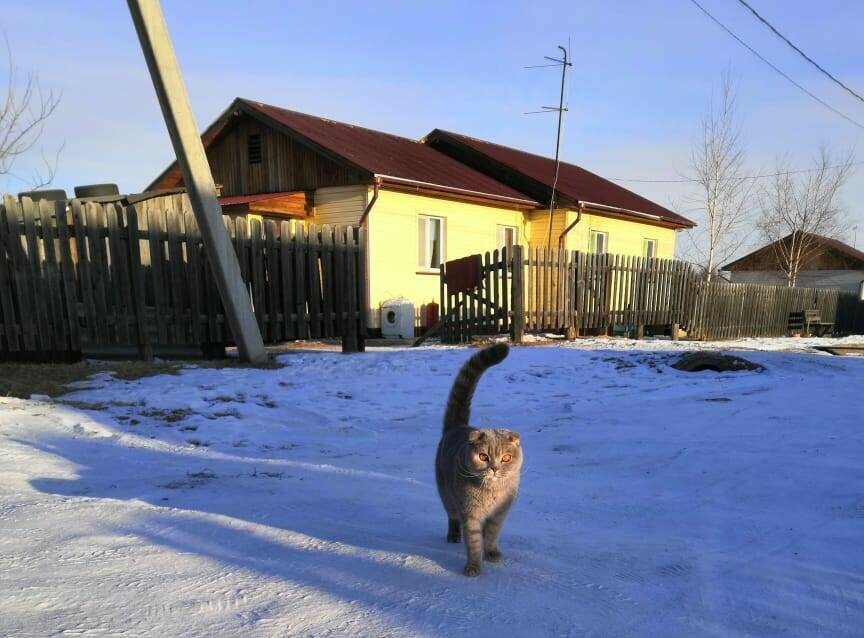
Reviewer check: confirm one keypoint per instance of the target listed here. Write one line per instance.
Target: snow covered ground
(301, 501)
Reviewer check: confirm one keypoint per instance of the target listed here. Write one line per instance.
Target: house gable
(835, 255)
(287, 162)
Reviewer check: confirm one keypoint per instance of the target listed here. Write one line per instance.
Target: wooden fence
(586, 292)
(102, 278)
(731, 311)
(480, 310)
(576, 293)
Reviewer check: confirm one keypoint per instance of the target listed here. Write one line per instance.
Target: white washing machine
(397, 319)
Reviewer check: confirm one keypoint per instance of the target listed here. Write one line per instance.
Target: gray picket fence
(80, 277)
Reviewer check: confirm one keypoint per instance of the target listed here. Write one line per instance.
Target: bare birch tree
(723, 201)
(798, 209)
(24, 109)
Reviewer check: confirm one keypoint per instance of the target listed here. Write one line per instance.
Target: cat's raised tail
(459, 404)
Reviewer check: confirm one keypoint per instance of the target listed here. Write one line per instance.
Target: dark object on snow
(715, 361)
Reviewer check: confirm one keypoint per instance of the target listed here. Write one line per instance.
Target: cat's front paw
(494, 556)
(471, 570)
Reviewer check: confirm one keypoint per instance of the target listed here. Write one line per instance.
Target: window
(253, 148)
(508, 236)
(649, 248)
(599, 242)
(431, 242)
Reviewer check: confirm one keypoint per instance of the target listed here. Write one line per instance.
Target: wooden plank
(301, 248)
(58, 326)
(274, 285)
(496, 271)
(362, 239)
(442, 295)
(158, 276)
(509, 264)
(67, 273)
(117, 263)
(531, 294)
(32, 277)
(139, 298)
(217, 331)
(340, 259)
(314, 280)
(257, 279)
(96, 235)
(84, 270)
(12, 326)
(286, 257)
(176, 266)
(194, 279)
(327, 280)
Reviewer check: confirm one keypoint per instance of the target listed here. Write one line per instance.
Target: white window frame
(501, 238)
(595, 234)
(424, 242)
(648, 241)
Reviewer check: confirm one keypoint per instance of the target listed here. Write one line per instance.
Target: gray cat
(477, 471)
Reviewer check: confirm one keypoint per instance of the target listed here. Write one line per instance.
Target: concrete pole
(165, 72)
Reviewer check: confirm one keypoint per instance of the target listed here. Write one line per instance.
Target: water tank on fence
(96, 190)
(397, 318)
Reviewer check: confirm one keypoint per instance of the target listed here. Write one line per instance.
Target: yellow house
(591, 213)
(422, 202)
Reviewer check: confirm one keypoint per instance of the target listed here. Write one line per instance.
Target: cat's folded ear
(476, 435)
(513, 437)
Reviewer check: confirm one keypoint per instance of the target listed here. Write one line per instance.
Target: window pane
(507, 238)
(650, 248)
(598, 242)
(421, 242)
(434, 243)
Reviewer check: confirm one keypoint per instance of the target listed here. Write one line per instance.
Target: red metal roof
(389, 155)
(574, 182)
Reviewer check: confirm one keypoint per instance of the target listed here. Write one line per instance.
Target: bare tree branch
(24, 109)
(717, 165)
(796, 213)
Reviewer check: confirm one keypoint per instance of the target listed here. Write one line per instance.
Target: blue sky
(642, 77)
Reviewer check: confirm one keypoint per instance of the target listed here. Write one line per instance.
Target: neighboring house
(835, 265)
(420, 205)
(613, 219)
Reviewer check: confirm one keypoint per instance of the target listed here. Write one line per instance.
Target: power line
(689, 180)
(765, 60)
(799, 51)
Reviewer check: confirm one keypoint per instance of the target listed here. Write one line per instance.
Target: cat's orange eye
(483, 457)
(507, 458)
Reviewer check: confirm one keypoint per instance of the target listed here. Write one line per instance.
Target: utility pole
(564, 62)
(165, 72)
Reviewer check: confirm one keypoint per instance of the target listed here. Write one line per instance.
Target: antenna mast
(564, 62)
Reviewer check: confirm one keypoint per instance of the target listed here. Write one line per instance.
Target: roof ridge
(256, 103)
(519, 150)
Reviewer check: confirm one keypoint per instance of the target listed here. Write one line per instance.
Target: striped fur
(459, 404)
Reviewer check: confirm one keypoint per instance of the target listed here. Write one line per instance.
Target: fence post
(517, 296)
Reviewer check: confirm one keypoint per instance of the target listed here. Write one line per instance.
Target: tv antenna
(563, 62)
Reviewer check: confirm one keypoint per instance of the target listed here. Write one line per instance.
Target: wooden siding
(287, 164)
(538, 224)
(340, 205)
